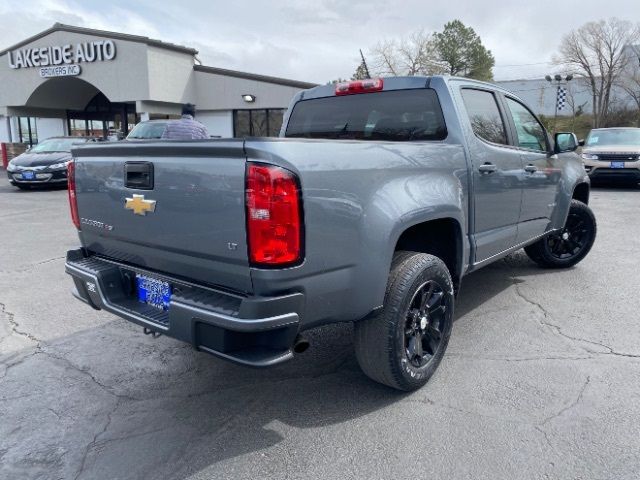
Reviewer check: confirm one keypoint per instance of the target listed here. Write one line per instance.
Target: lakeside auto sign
(62, 60)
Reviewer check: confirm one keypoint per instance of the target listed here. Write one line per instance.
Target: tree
(596, 51)
(577, 109)
(459, 51)
(411, 55)
(630, 81)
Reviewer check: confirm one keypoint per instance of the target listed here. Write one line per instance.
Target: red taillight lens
(73, 200)
(274, 216)
(359, 86)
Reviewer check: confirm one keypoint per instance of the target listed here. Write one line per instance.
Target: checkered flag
(562, 98)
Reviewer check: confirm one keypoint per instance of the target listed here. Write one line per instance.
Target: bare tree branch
(598, 52)
(411, 55)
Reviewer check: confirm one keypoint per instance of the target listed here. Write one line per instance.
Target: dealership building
(76, 81)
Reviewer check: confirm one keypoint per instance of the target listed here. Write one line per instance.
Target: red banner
(5, 161)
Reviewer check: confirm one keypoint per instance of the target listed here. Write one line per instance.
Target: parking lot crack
(521, 359)
(14, 326)
(545, 434)
(30, 267)
(22, 359)
(573, 404)
(558, 330)
(89, 375)
(96, 437)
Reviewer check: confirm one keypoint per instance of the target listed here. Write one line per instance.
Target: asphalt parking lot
(541, 379)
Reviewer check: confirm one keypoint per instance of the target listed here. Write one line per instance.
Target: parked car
(44, 163)
(152, 130)
(381, 197)
(613, 154)
(148, 130)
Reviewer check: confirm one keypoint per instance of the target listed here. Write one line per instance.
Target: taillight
(274, 216)
(359, 86)
(73, 200)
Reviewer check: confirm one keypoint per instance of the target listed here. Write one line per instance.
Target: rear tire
(403, 344)
(570, 245)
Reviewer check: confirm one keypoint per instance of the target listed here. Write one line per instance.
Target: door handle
(138, 175)
(531, 168)
(487, 168)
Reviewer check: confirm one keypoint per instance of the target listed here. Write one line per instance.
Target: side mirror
(565, 142)
(581, 142)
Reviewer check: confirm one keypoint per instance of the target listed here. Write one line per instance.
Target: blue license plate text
(153, 292)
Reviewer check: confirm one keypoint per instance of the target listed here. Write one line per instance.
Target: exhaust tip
(300, 344)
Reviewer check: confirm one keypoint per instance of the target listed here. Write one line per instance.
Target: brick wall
(11, 150)
(15, 149)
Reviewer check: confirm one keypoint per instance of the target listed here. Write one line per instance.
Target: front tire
(570, 245)
(403, 344)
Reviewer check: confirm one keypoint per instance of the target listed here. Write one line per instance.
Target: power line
(522, 64)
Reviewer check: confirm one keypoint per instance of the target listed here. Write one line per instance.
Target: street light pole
(559, 82)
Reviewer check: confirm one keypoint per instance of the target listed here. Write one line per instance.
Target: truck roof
(397, 83)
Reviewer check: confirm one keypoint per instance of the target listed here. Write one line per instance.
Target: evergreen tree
(460, 51)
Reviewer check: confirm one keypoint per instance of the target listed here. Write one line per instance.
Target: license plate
(28, 175)
(153, 292)
(617, 164)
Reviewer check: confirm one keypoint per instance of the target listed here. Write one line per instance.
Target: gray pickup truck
(375, 202)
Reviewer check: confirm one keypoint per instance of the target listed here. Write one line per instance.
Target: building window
(27, 130)
(257, 123)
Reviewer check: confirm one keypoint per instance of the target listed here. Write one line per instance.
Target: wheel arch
(442, 237)
(581, 192)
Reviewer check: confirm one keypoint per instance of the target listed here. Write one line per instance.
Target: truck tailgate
(195, 228)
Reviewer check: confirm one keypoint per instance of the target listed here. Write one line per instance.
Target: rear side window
(484, 115)
(395, 115)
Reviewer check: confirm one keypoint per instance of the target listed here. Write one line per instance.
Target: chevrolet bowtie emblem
(139, 205)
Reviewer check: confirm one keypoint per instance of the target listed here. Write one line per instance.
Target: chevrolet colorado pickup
(379, 197)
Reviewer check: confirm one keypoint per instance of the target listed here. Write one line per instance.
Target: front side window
(531, 134)
(484, 115)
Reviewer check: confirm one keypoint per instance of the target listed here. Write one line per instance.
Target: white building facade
(75, 81)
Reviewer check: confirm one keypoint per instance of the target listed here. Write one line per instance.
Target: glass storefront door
(102, 119)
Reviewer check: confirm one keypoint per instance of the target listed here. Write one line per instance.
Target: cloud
(316, 41)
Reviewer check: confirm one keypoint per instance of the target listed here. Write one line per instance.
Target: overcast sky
(318, 40)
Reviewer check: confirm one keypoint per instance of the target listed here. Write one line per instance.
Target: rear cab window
(394, 115)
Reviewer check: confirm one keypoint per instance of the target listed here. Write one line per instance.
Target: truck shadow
(482, 285)
(133, 407)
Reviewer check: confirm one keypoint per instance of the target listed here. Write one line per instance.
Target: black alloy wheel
(402, 344)
(567, 247)
(571, 240)
(424, 322)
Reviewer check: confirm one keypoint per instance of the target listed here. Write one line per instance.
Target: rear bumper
(252, 331)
